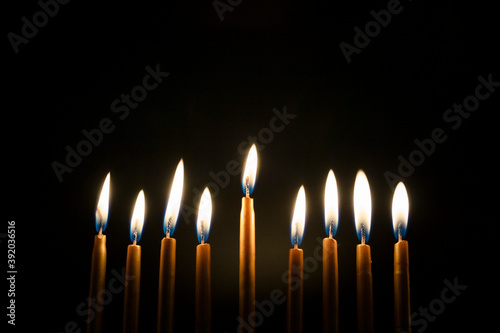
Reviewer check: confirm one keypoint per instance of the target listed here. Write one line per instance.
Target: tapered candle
(247, 243)
(362, 216)
(98, 267)
(133, 269)
(165, 320)
(296, 267)
(203, 306)
(330, 259)
(400, 208)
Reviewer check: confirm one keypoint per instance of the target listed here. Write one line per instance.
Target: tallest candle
(165, 320)
(362, 216)
(247, 243)
(98, 268)
(330, 259)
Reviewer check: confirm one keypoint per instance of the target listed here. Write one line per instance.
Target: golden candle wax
(364, 288)
(295, 291)
(330, 258)
(98, 266)
(133, 269)
(166, 285)
(203, 305)
(400, 208)
(247, 242)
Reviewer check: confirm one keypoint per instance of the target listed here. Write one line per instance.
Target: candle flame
(400, 208)
(101, 212)
(137, 222)
(174, 201)
(299, 218)
(204, 216)
(362, 207)
(331, 205)
(248, 180)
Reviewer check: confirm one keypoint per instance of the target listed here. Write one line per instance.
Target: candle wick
(100, 231)
(202, 235)
(247, 186)
(135, 238)
(362, 235)
(400, 233)
(296, 236)
(330, 231)
(100, 219)
(168, 228)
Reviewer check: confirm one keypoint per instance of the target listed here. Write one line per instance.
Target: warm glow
(400, 208)
(331, 205)
(299, 218)
(101, 212)
(174, 201)
(362, 206)
(204, 216)
(248, 180)
(137, 222)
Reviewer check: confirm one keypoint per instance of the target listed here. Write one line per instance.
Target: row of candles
(165, 316)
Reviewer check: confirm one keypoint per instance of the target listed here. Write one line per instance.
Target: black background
(225, 79)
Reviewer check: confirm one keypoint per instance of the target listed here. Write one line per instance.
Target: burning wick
(100, 221)
(168, 227)
(296, 238)
(247, 182)
(202, 234)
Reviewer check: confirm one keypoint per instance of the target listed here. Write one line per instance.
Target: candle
(167, 255)
(330, 259)
(203, 307)
(400, 208)
(133, 269)
(98, 266)
(362, 217)
(247, 242)
(296, 266)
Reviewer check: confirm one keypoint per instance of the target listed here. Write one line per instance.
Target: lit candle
(167, 255)
(98, 267)
(133, 269)
(362, 217)
(247, 242)
(400, 208)
(330, 259)
(203, 307)
(296, 266)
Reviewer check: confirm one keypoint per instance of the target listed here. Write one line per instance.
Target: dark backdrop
(225, 79)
